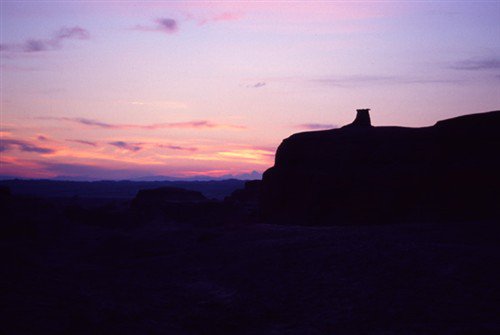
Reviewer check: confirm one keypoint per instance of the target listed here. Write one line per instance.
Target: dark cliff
(361, 173)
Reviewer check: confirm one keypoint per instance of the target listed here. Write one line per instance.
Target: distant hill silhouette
(172, 204)
(361, 173)
(125, 189)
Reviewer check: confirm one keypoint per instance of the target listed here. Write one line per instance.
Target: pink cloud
(90, 143)
(42, 138)
(127, 145)
(177, 147)
(200, 124)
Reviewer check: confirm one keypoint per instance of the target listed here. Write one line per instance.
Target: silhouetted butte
(365, 174)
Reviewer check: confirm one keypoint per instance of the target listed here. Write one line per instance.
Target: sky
(121, 89)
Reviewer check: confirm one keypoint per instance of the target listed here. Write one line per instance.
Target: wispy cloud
(177, 147)
(54, 43)
(89, 122)
(478, 64)
(42, 138)
(165, 25)
(90, 143)
(170, 26)
(257, 85)
(316, 126)
(9, 144)
(126, 145)
(73, 32)
(199, 124)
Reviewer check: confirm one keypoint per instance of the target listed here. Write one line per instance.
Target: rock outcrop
(360, 173)
(249, 194)
(362, 119)
(247, 199)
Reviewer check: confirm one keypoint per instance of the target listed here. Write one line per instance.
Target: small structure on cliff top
(362, 119)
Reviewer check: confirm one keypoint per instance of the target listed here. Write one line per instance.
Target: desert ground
(109, 273)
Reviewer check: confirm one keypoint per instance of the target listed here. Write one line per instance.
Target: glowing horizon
(124, 90)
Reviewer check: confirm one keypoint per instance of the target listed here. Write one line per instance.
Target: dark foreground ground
(68, 277)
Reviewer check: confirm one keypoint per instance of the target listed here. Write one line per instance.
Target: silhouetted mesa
(360, 173)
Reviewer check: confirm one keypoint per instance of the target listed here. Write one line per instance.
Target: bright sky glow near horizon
(119, 89)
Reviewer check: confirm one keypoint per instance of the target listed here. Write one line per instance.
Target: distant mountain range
(109, 189)
(244, 176)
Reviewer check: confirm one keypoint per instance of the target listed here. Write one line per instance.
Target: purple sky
(122, 89)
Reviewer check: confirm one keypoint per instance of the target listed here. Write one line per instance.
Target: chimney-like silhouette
(362, 118)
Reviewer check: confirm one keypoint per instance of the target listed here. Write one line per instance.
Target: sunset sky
(115, 90)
